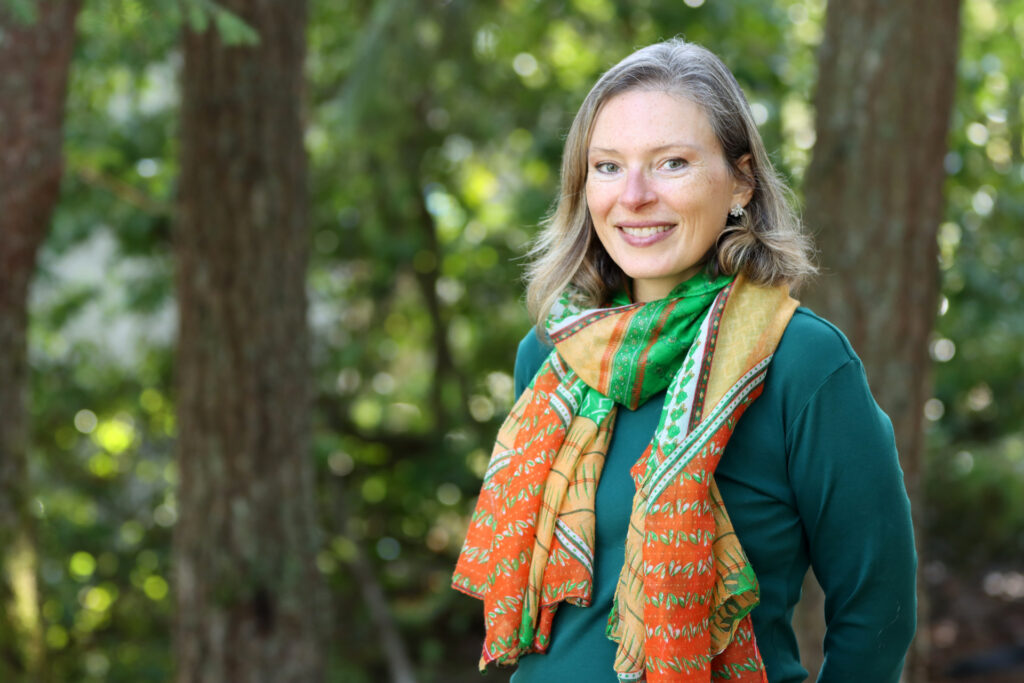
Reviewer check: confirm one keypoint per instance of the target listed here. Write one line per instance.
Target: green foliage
(232, 29)
(100, 347)
(22, 11)
(977, 465)
(434, 136)
(978, 525)
(136, 15)
(435, 141)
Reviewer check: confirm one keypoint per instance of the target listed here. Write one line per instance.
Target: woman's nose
(637, 191)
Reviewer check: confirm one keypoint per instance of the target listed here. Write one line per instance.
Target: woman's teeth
(646, 232)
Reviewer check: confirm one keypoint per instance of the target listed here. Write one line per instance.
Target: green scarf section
(675, 322)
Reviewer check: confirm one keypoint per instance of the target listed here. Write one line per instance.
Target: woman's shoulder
(530, 356)
(811, 350)
(815, 340)
(531, 347)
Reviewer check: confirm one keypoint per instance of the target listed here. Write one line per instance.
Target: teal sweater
(809, 477)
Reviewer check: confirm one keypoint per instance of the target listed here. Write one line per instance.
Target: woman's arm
(851, 498)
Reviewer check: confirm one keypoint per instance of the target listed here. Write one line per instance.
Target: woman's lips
(644, 234)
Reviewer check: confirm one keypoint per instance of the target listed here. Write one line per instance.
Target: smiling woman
(764, 240)
(631, 526)
(659, 188)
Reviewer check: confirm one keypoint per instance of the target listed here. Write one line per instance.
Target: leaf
(233, 29)
(197, 14)
(22, 11)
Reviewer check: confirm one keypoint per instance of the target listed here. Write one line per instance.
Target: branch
(392, 645)
(127, 193)
(339, 421)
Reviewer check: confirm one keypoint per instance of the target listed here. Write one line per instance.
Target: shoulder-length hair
(767, 244)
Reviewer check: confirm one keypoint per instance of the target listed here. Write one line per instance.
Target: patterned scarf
(682, 604)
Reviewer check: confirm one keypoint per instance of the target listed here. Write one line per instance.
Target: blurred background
(146, 286)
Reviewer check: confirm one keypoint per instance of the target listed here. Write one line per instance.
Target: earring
(737, 211)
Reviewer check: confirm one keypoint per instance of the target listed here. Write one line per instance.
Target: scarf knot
(632, 351)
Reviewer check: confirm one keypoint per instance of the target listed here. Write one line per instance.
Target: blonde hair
(767, 244)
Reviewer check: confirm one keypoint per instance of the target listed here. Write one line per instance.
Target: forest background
(433, 132)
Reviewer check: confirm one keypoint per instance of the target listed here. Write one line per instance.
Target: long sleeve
(811, 474)
(849, 491)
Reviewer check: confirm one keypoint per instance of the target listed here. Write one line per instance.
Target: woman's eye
(675, 164)
(606, 167)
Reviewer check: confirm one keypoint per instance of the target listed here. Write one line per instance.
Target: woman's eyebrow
(655, 150)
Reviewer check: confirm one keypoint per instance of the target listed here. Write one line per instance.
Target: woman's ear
(743, 183)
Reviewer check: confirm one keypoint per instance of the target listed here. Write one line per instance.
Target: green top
(810, 476)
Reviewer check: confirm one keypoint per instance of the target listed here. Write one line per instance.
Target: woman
(630, 521)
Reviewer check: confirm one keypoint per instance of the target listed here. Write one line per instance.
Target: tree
(886, 76)
(36, 55)
(247, 589)
(451, 118)
(482, 93)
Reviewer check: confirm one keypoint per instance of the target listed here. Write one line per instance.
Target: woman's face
(658, 188)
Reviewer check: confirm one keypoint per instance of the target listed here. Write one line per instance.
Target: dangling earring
(737, 211)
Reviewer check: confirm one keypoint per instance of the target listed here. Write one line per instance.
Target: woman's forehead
(653, 120)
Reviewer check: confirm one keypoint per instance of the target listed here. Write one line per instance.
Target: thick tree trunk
(34, 62)
(886, 74)
(249, 597)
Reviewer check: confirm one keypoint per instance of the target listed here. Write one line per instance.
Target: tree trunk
(886, 75)
(249, 596)
(35, 59)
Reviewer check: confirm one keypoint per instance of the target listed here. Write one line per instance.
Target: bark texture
(249, 600)
(886, 75)
(34, 63)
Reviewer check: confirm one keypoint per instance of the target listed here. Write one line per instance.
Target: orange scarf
(685, 591)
